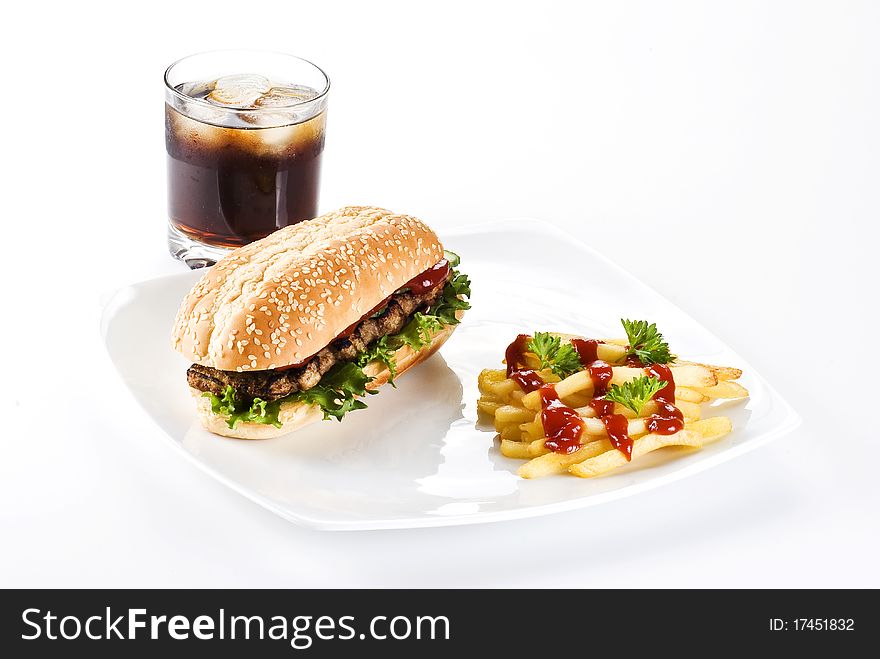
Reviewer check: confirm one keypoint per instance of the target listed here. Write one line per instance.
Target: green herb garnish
(635, 393)
(646, 343)
(561, 358)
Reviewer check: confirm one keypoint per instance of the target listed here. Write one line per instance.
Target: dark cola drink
(244, 159)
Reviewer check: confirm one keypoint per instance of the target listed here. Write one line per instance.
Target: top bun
(280, 300)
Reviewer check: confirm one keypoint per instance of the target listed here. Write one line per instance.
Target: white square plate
(417, 457)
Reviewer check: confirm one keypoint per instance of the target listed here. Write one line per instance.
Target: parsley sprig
(635, 393)
(646, 342)
(552, 353)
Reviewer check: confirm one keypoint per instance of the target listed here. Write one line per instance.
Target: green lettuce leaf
(235, 409)
(417, 333)
(451, 300)
(336, 393)
(380, 351)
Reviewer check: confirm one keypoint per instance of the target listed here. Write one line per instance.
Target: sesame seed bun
(280, 300)
(296, 415)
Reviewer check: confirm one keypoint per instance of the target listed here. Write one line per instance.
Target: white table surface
(742, 140)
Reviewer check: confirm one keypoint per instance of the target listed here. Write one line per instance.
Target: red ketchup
(527, 379)
(616, 425)
(587, 350)
(563, 426)
(429, 278)
(515, 354)
(602, 407)
(351, 328)
(600, 372)
(669, 419)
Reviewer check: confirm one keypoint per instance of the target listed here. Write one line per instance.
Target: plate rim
(791, 418)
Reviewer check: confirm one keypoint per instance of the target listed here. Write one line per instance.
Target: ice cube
(278, 97)
(269, 119)
(283, 138)
(196, 89)
(202, 112)
(198, 130)
(240, 91)
(278, 106)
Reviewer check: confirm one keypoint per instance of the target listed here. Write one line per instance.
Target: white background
(726, 153)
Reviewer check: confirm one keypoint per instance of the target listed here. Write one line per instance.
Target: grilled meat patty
(274, 384)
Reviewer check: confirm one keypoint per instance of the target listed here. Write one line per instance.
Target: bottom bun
(295, 415)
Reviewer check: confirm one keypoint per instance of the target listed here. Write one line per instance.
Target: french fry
(512, 449)
(725, 389)
(577, 400)
(612, 459)
(589, 412)
(487, 407)
(510, 432)
(536, 447)
(724, 373)
(532, 430)
(711, 429)
(596, 427)
(501, 389)
(580, 381)
(557, 463)
(690, 411)
(531, 361)
(489, 375)
(721, 372)
(511, 414)
(684, 375)
(611, 351)
(690, 395)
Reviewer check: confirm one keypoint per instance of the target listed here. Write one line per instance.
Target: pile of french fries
(517, 415)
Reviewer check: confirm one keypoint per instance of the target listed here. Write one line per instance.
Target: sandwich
(305, 323)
